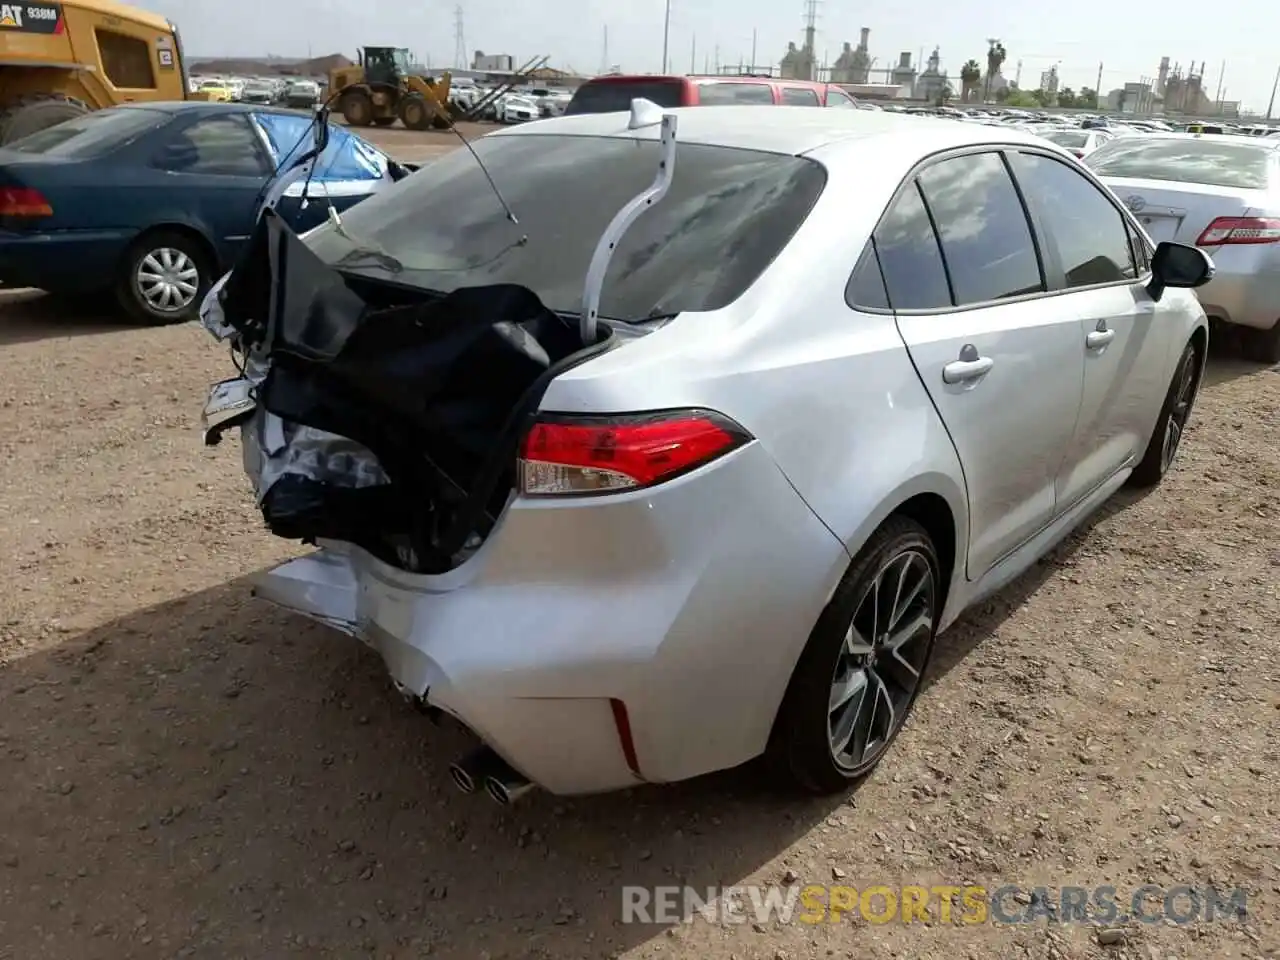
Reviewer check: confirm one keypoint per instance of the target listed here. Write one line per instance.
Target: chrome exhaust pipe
(474, 769)
(506, 786)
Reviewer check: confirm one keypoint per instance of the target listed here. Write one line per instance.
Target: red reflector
(1240, 230)
(622, 722)
(23, 202)
(565, 455)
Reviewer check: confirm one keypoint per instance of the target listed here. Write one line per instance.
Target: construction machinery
(379, 89)
(59, 60)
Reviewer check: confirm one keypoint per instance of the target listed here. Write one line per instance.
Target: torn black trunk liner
(440, 389)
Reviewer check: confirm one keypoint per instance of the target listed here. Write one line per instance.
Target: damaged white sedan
(643, 460)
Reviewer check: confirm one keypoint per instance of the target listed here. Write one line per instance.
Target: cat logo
(31, 17)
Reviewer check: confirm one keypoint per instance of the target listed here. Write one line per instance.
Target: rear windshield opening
(728, 213)
(1067, 138)
(91, 135)
(1217, 164)
(610, 96)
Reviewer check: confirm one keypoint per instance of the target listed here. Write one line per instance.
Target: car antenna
(443, 111)
(644, 113)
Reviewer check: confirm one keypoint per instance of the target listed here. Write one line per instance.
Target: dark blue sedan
(153, 202)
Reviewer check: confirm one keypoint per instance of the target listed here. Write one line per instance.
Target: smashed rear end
(568, 563)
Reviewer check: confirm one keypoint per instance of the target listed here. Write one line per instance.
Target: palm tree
(970, 74)
(995, 59)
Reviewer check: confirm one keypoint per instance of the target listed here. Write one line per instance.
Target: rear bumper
(1247, 295)
(690, 604)
(63, 261)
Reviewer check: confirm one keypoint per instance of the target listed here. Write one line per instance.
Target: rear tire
(1261, 346)
(164, 278)
(35, 113)
(357, 108)
(860, 673)
(1171, 425)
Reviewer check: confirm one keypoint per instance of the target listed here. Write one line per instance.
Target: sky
(1127, 39)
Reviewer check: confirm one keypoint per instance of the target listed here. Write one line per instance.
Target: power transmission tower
(810, 35)
(459, 40)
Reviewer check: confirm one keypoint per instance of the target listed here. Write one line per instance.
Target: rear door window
(910, 258)
(216, 146)
(610, 96)
(986, 239)
(733, 94)
(800, 97)
(836, 98)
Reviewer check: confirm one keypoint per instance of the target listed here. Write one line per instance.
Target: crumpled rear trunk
(401, 412)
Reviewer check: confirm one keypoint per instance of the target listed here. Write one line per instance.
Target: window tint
(837, 99)
(91, 135)
(909, 258)
(726, 216)
(125, 60)
(866, 286)
(1218, 163)
(1089, 232)
(729, 94)
(610, 96)
(225, 146)
(800, 97)
(982, 227)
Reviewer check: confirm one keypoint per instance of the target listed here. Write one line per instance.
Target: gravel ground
(187, 773)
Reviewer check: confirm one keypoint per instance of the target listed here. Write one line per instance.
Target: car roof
(699, 78)
(780, 129)
(1208, 137)
(209, 106)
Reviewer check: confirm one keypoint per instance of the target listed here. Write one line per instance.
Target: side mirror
(1180, 266)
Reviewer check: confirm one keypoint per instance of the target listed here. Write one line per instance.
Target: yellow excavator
(59, 60)
(379, 89)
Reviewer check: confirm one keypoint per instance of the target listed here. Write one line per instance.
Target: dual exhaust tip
(483, 767)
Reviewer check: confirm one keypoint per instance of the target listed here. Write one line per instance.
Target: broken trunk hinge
(644, 113)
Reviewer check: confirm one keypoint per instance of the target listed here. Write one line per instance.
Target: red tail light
(1240, 230)
(567, 455)
(23, 202)
(1078, 153)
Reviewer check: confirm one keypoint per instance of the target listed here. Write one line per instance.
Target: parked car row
(296, 92)
(934, 349)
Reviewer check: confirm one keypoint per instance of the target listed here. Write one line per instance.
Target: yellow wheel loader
(59, 60)
(379, 89)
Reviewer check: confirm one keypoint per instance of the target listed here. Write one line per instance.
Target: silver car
(1221, 193)
(1079, 143)
(846, 374)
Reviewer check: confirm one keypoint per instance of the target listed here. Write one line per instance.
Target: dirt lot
(186, 773)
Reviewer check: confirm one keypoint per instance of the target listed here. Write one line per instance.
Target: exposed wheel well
(932, 512)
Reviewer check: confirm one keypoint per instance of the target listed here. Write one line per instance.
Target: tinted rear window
(728, 213)
(91, 135)
(1213, 162)
(610, 96)
(1071, 139)
(733, 94)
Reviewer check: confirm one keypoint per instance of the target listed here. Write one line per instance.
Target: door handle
(968, 368)
(1097, 339)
